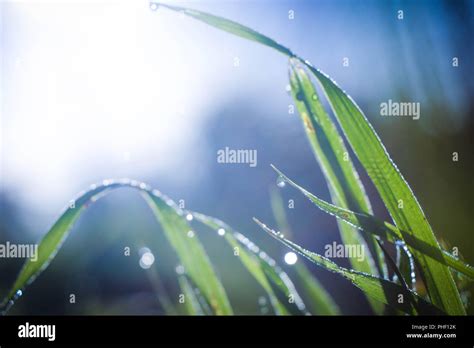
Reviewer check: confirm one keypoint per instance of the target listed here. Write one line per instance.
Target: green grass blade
(343, 181)
(320, 301)
(380, 289)
(372, 225)
(189, 250)
(259, 264)
(229, 26)
(191, 303)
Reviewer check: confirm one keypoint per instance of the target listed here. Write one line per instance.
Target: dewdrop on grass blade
(280, 182)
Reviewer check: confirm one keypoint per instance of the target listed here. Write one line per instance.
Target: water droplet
(288, 89)
(300, 95)
(262, 301)
(220, 231)
(281, 182)
(143, 186)
(191, 234)
(291, 258)
(153, 6)
(18, 294)
(315, 97)
(189, 217)
(180, 269)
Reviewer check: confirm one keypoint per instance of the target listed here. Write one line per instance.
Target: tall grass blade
(343, 181)
(380, 289)
(191, 302)
(320, 300)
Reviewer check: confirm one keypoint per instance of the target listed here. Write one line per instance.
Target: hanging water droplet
(190, 234)
(314, 96)
(153, 6)
(220, 231)
(189, 217)
(281, 182)
(18, 294)
(180, 269)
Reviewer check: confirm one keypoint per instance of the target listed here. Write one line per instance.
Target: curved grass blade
(386, 177)
(380, 289)
(189, 250)
(370, 224)
(228, 26)
(259, 264)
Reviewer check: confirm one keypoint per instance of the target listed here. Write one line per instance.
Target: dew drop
(281, 182)
(288, 89)
(147, 259)
(190, 234)
(315, 97)
(180, 269)
(189, 217)
(220, 231)
(153, 6)
(18, 294)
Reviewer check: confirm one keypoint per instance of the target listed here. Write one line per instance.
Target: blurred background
(112, 89)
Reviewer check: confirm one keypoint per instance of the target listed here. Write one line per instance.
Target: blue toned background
(94, 90)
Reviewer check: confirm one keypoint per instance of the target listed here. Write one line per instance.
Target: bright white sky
(97, 90)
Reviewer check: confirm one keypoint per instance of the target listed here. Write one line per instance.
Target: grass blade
(370, 224)
(192, 305)
(380, 289)
(259, 264)
(321, 302)
(189, 250)
(394, 190)
(228, 26)
(344, 184)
